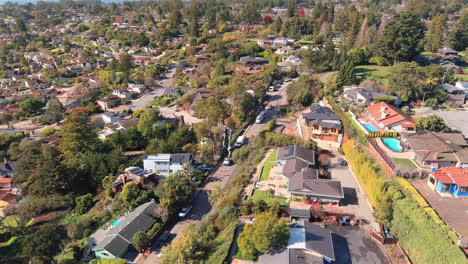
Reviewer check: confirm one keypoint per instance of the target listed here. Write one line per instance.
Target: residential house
(296, 152)
(143, 178)
(118, 236)
(363, 96)
(298, 166)
(123, 94)
(390, 118)
(306, 183)
(308, 243)
(265, 42)
(242, 70)
(248, 60)
(320, 123)
(112, 128)
(282, 41)
(449, 181)
(136, 88)
(455, 95)
(166, 164)
(292, 59)
(111, 117)
(107, 102)
(202, 93)
(437, 150)
(446, 54)
(284, 50)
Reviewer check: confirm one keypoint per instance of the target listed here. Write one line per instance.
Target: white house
(121, 93)
(165, 164)
(284, 50)
(292, 59)
(136, 88)
(110, 117)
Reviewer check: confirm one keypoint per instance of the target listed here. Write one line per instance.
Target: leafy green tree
(146, 123)
(292, 8)
(20, 25)
(31, 106)
(402, 37)
(175, 191)
(175, 19)
(84, 203)
(459, 34)
(48, 176)
(6, 118)
(277, 25)
(132, 196)
(215, 108)
(77, 135)
(187, 248)
(55, 111)
(436, 34)
(433, 123)
(140, 240)
(125, 62)
(46, 242)
(250, 13)
(266, 232)
(346, 74)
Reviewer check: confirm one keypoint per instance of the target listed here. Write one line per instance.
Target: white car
(184, 212)
(227, 162)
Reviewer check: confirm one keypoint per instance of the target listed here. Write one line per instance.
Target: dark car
(342, 162)
(164, 237)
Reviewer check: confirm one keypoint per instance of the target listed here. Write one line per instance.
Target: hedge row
(382, 134)
(420, 231)
(409, 190)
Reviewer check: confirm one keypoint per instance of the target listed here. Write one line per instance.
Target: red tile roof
(387, 114)
(458, 176)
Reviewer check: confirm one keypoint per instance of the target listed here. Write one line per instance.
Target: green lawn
(373, 72)
(267, 169)
(405, 162)
(272, 157)
(305, 42)
(267, 197)
(239, 255)
(426, 53)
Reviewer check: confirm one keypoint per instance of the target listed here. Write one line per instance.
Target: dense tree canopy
(402, 38)
(433, 123)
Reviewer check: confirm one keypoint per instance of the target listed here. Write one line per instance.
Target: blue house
(449, 181)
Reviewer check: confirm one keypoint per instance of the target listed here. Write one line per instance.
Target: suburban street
(201, 206)
(277, 99)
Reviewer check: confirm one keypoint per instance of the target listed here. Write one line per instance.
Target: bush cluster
(382, 134)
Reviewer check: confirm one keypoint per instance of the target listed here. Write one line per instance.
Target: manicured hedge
(382, 134)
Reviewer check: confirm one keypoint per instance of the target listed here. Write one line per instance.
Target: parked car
(240, 141)
(227, 161)
(185, 211)
(163, 238)
(287, 80)
(268, 107)
(203, 168)
(342, 162)
(260, 117)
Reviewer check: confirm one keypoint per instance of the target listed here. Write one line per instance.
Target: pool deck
(399, 155)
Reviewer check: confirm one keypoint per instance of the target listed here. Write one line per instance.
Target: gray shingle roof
(294, 151)
(317, 238)
(306, 181)
(120, 236)
(181, 157)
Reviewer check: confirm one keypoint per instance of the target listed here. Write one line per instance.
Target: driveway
(355, 200)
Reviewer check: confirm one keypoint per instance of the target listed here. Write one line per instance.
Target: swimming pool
(393, 144)
(370, 127)
(115, 223)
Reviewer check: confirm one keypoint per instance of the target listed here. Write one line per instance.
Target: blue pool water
(115, 223)
(370, 127)
(393, 144)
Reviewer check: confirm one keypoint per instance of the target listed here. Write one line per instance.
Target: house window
(316, 127)
(432, 180)
(464, 189)
(105, 254)
(325, 130)
(333, 130)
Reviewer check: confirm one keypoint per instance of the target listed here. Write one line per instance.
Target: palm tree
(6, 118)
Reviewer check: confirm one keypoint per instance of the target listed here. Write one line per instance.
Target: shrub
(153, 231)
